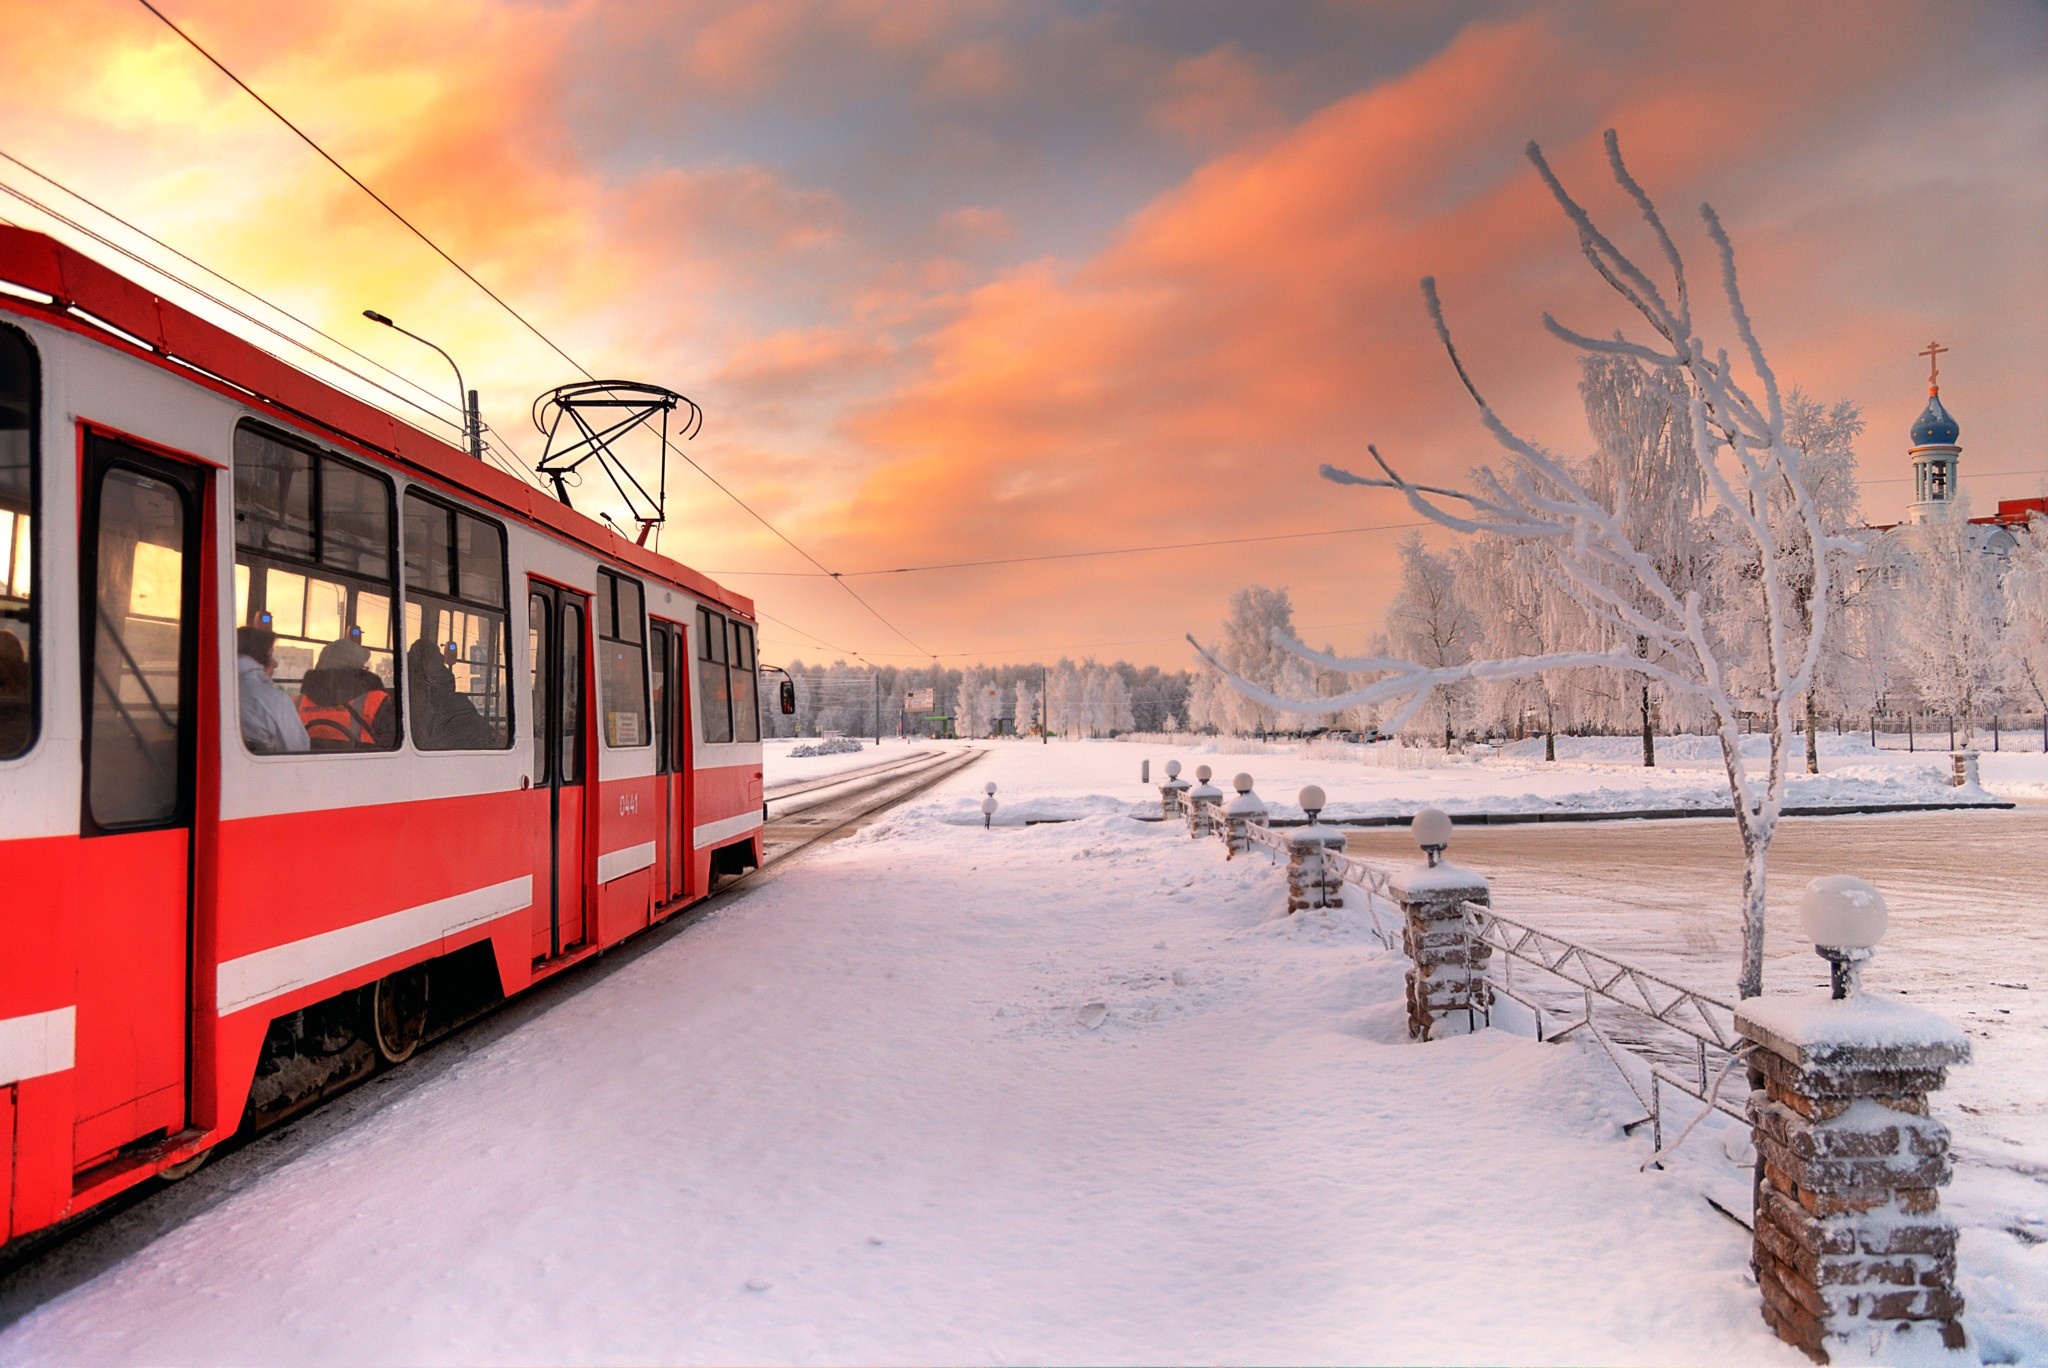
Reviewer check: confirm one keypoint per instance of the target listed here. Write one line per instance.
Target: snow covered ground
(1053, 1093)
(1591, 774)
(780, 768)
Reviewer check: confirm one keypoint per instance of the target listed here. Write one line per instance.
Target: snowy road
(930, 1093)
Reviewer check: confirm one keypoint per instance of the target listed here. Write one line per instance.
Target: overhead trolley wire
(236, 285)
(1080, 555)
(209, 296)
(157, 268)
(498, 299)
(358, 183)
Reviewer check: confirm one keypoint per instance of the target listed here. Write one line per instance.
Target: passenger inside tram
(343, 704)
(442, 719)
(270, 724)
(15, 721)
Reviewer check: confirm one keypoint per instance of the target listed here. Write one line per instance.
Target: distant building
(1936, 452)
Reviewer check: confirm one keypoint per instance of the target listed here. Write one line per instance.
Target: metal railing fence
(1684, 1039)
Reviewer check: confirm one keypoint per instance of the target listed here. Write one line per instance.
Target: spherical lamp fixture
(1845, 918)
(1432, 831)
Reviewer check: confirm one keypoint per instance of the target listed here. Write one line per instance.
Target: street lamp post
(472, 421)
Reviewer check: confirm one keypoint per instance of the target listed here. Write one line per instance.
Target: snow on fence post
(1172, 792)
(1246, 807)
(1202, 801)
(1965, 775)
(1447, 986)
(1310, 880)
(1852, 1253)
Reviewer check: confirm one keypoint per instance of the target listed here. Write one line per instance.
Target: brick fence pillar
(1245, 808)
(1852, 1252)
(1311, 880)
(1447, 988)
(1963, 772)
(1172, 793)
(1202, 801)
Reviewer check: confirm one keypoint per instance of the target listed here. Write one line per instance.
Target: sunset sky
(963, 281)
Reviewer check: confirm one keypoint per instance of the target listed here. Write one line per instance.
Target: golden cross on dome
(1933, 355)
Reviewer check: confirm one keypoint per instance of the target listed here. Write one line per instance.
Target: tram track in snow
(72, 1253)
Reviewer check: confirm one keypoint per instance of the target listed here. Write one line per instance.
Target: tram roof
(83, 292)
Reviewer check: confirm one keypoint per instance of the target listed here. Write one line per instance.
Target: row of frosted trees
(1922, 620)
(1072, 699)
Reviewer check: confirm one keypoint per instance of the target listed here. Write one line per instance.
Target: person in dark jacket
(442, 719)
(345, 706)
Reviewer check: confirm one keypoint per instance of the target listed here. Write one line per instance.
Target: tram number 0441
(629, 803)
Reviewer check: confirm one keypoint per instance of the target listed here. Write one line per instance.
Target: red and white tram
(519, 738)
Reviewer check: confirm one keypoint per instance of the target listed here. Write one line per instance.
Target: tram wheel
(398, 1013)
(185, 1168)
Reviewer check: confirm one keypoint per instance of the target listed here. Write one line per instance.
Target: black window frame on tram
(714, 705)
(744, 665)
(455, 596)
(31, 492)
(320, 560)
(726, 655)
(620, 641)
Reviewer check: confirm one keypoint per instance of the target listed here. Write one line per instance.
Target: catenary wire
(210, 297)
(433, 246)
(1079, 555)
(236, 285)
(524, 322)
(524, 476)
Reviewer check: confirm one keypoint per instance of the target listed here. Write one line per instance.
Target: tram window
(134, 772)
(455, 594)
(313, 565)
(18, 422)
(621, 663)
(714, 685)
(657, 667)
(537, 684)
(274, 496)
(746, 685)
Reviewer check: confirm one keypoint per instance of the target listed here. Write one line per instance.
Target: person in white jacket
(270, 720)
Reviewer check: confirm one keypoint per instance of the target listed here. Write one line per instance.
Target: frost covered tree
(2026, 618)
(1027, 708)
(1950, 617)
(1825, 438)
(973, 719)
(1644, 468)
(1523, 615)
(1063, 699)
(1738, 438)
(1259, 619)
(1430, 622)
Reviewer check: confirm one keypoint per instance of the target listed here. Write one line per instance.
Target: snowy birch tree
(1949, 617)
(1738, 438)
(1027, 708)
(1824, 436)
(2026, 617)
(1430, 622)
(1644, 468)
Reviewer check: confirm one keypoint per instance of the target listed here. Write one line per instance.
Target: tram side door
(140, 595)
(660, 652)
(556, 662)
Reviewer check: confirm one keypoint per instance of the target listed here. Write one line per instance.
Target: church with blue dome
(1936, 452)
(1934, 448)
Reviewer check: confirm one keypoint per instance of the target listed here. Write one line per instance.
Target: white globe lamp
(1432, 831)
(1845, 918)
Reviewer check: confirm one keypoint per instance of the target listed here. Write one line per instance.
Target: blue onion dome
(1934, 426)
